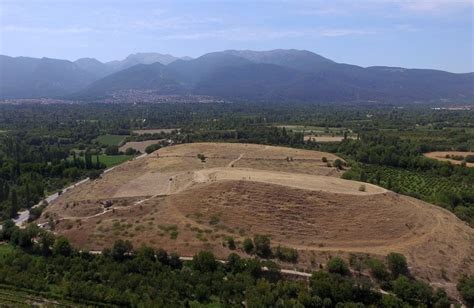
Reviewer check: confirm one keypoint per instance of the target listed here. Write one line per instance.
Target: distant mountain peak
(142, 58)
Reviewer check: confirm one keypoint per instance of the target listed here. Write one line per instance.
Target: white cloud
(48, 30)
(435, 5)
(250, 34)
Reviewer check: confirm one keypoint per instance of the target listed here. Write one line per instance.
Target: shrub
(397, 264)
(378, 270)
(248, 246)
(214, 220)
(205, 261)
(121, 249)
(62, 247)
(413, 292)
(324, 159)
(338, 266)
(202, 157)
(94, 174)
(286, 254)
(362, 188)
(112, 150)
(338, 164)
(262, 246)
(131, 151)
(469, 158)
(466, 288)
(152, 148)
(230, 242)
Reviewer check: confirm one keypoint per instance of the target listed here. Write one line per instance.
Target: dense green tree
(62, 247)
(397, 264)
(338, 266)
(121, 250)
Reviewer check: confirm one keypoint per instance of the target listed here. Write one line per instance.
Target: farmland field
(113, 160)
(108, 139)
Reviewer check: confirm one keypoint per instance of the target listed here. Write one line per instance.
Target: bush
(121, 249)
(230, 242)
(286, 254)
(94, 174)
(62, 247)
(469, 159)
(378, 270)
(339, 164)
(413, 292)
(152, 148)
(202, 157)
(205, 261)
(112, 150)
(131, 151)
(466, 288)
(262, 246)
(397, 264)
(338, 266)
(248, 246)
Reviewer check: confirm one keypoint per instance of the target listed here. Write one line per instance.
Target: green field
(113, 160)
(108, 139)
(108, 160)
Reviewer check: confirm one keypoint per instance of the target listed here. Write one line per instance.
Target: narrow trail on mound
(231, 164)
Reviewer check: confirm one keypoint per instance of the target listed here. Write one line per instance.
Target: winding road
(23, 216)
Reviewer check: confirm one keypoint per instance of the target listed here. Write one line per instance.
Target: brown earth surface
(326, 138)
(441, 155)
(171, 199)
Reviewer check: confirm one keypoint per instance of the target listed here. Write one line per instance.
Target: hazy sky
(419, 33)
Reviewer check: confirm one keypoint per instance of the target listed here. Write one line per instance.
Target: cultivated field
(441, 155)
(326, 138)
(174, 200)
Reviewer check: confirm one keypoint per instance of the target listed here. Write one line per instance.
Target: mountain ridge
(274, 75)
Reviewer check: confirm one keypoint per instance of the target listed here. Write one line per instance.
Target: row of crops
(407, 181)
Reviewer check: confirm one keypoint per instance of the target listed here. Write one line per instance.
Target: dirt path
(231, 164)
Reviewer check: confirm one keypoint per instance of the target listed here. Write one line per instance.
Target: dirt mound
(174, 200)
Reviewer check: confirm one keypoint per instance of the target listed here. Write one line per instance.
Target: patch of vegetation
(113, 160)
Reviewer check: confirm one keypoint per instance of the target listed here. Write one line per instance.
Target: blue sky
(416, 34)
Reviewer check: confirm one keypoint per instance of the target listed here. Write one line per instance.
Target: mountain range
(274, 76)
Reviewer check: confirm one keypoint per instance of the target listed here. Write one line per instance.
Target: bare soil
(326, 138)
(441, 156)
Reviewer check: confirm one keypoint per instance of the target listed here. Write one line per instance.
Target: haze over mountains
(276, 75)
